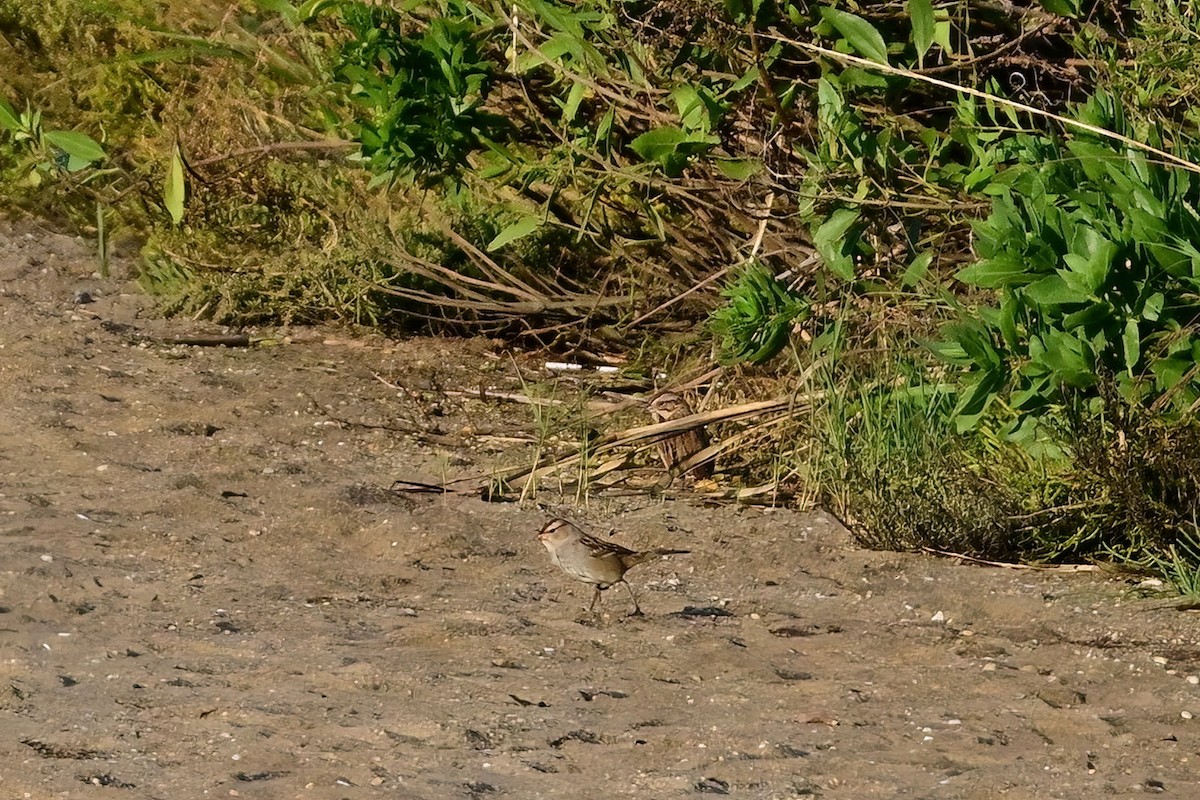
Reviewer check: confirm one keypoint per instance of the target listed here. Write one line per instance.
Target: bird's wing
(600, 548)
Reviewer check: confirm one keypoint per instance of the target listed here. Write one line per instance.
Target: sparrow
(591, 560)
(675, 449)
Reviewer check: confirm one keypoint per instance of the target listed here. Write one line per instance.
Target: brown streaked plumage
(591, 560)
(676, 449)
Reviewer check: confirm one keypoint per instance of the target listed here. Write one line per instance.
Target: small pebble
(1192, 679)
(1185, 714)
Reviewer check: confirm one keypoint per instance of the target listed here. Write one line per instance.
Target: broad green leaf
(75, 163)
(1089, 316)
(993, 273)
(941, 35)
(916, 270)
(921, 14)
(173, 188)
(672, 147)
(522, 227)
(1086, 274)
(604, 130)
(9, 117)
(1132, 342)
(742, 10)
(977, 341)
(692, 111)
(950, 351)
(829, 239)
(1064, 8)
(978, 179)
(1069, 358)
(1007, 321)
(1183, 344)
(967, 344)
(834, 229)
(1091, 256)
(859, 34)
(1169, 258)
(739, 169)
(574, 98)
(1153, 307)
(743, 82)
(77, 145)
(976, 398)
(861, 78)
(1052, 290)
(654, 144)
(1168, 372)
(1029, 397)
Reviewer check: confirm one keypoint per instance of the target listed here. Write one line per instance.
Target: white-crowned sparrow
(675, 449)
(591, 560)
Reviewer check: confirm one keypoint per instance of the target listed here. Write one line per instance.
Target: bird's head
(666, 405)
(555, 531)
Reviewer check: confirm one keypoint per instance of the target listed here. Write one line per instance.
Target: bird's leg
(595, 597)
(637, 610)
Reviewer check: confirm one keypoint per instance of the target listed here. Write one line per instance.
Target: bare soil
(208, 589)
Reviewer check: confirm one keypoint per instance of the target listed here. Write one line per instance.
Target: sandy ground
(208, 590)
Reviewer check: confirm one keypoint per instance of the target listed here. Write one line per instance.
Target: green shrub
(1094, 255)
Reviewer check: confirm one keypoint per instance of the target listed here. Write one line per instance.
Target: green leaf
(976, 398)
(1007, 321)
(1052, 290)
(1069, 358)
(829, 239)
(522, 227)
(858, 33)
(698, 110)
(1154, 306)
(79, 146)
(9, 117)
(951, 352)
(574, 98)
(173, 189)
(671, 147)
(992, 273)
(1088, 317)
(1030, 397)
(739, 169)
(921, 14)
(1168, 372)
(743, 82)
(916, 270)
(654, 144)
(1064, 8)
(941, 35)
(1091, 257)
(1132, 342)
(604, 130)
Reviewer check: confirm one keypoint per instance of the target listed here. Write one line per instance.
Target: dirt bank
(207, 590)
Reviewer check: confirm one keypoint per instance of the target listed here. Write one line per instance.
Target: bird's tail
(650, 555)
